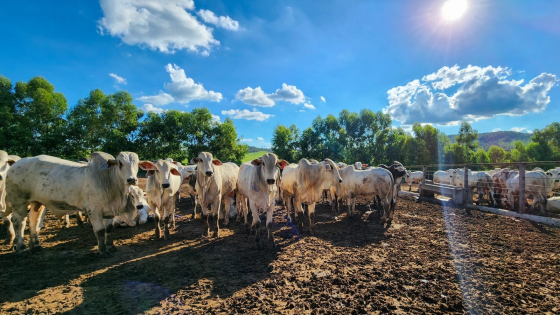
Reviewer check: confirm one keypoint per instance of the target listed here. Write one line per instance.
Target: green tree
(41, 117)
(467, 136)
(497, 154)
(482, 156)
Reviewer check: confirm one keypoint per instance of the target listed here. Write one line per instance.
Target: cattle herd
(501, 186)
(104, 189)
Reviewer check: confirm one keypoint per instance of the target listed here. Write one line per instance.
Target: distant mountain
(255, 149)
(504, 139)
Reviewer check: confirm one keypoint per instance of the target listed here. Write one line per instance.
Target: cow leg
(256, 222)
(79, 218)
(349, 203)
(288, 205)
(18, 219)
(169, 210)
(227, 205)
(311, 212)
(35, 213)
(66, 221)
(156, 221)
(108, 224)
(194, 201)
(7, 219)
(410, 187)
(97, 223)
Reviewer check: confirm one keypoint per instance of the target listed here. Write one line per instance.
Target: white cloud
(216, 118)
(220, 21)
(184, 90)
(301, 111)
(160, 99)
(496, 129)
(260, 138)
(166, 26)
(323, 99)
(247, 140)
(246, 114)
(119, 79)
(150, 108)
(480, 93)
(306, 105)
(181, 89)
(257, 97)
(288, 93)
(521, 129)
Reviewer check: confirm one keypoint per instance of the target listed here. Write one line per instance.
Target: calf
(215, 183)
(163, 183)
(304, 182)
(258, 182)
(414, 177)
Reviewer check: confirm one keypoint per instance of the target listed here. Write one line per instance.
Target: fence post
(466, 185)
(425, 177)
(521, 188)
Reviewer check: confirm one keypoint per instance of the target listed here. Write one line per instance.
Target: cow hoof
(166, 236)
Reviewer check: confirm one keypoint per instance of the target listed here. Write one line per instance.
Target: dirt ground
(432, 260)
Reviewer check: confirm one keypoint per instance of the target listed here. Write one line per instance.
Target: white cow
(135, 199)
(359, 166)
(258, 182)
(444, 177)
(164, 181)
(215, 183)
(5, 162)
(494, 171)
(482, 181)
(368, 184)
(304, 182)
(413, 177)
(188, 177)
(537, 184)
(556, 177)
(99, 188)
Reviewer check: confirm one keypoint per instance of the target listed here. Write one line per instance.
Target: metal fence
(495, 192)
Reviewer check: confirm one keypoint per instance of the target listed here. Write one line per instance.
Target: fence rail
(535, 190)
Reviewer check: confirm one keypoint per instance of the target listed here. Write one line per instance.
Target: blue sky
(269, 62)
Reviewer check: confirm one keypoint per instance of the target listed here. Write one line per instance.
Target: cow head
(5, 162)
(162, 170)
(188, 172)
(205, 163)
(332, 170)
(267, 167)
(137, 196)
(126, 165)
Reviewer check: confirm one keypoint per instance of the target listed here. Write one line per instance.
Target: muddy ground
(432, 260)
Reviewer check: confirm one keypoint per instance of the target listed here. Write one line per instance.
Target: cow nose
(131, 180)
(165, 185)
(139, 207)
(270, 181)
(340, 180)
(209, 173)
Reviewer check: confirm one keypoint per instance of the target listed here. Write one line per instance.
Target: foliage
(253, 155)
(36, 120)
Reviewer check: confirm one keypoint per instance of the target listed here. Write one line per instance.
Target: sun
(453, 9)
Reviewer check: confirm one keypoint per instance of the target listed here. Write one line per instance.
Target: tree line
(369, 137)
(35, 119)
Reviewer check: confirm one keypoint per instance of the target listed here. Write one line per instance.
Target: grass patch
(253, 155)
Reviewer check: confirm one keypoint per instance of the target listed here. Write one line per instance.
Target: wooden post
(466, 186)
(521, 188)
(425, 171)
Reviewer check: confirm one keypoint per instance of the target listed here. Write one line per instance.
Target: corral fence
(459, 182)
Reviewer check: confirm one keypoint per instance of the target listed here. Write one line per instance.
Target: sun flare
(453, 9)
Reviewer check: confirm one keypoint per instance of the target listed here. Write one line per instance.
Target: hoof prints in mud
(431, 260)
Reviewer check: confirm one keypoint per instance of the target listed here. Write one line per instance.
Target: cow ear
(175, 162)
(175, 172)
(109, 164)
(195, 160)
(364, 165)
(256, 162)
(216, 162)
(283, 163)
(147, 166)
(328, 167)
(11, 162)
